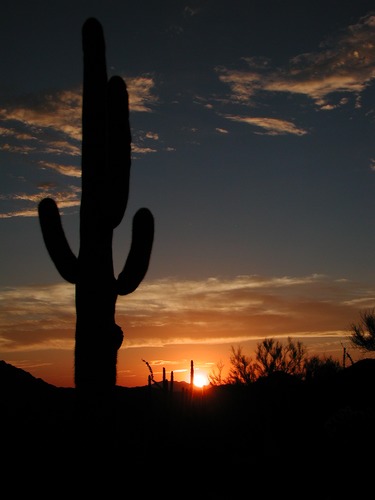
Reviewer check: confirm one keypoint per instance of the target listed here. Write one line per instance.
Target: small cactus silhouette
(106, 160)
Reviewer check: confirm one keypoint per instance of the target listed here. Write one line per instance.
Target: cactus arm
(55, 240)
(139, 255)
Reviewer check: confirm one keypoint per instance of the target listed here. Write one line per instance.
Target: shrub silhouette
(105, 162)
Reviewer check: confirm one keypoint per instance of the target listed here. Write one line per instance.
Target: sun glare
(200, 379)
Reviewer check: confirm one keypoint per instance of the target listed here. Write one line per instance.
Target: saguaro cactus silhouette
(106, 160)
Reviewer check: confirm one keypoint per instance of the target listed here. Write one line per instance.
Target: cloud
(211, 311)
(343, 65)
(58, 111)
(67, 198)
(271, 126)
(53, 119)
(243, 84)
(37, 317)
(50, 124)
(141, 96)
(152, 135)
(22, 149)
(141, 140)
(11, 132)
(143, 150)
(69, 170)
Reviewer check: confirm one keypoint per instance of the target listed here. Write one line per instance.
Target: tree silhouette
(273, 356)
(216, 377)
(242, 370)
(105, 162)
(363, 333)
(317, 368)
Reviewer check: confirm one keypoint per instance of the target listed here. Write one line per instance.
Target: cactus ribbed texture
(106, 160)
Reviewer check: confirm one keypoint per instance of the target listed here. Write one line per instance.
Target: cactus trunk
(106, 159)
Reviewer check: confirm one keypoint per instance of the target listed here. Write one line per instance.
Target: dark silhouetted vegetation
(316, 430)
(272, 356)
(363, 333)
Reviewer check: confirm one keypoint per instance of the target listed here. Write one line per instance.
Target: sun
(200, 380)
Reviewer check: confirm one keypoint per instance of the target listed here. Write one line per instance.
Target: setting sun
(200, 380)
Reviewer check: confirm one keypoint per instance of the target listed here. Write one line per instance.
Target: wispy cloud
(67, 198)
(343, 66)
(141, 90)
(212, 311)
(11, 132)
(37, 317)
(69, 170)
(58, 111)
(40, 117)
(269, 126)
(50, 124)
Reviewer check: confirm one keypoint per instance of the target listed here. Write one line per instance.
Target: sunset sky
(253, 125)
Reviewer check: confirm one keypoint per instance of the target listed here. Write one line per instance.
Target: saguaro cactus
(106, 160)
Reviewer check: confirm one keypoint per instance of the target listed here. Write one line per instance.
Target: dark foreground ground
(280, 438)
